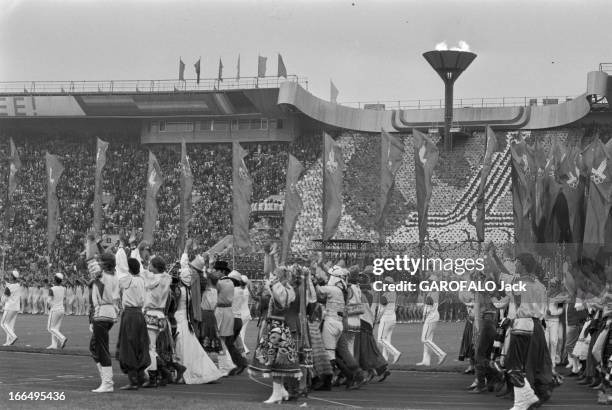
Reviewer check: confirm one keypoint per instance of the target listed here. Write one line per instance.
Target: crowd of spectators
(124, 192)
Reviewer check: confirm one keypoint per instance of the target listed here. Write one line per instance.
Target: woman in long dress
(276, 354)
(200, 369)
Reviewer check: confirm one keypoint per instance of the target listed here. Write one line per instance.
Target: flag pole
(323, 213)
(234, 255)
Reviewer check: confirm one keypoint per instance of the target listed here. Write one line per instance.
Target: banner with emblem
(599, 197)
(242, 189)
(426, 156)
(522, 191)
(154, 182)
(293, 205)
(487, 163)
(540, 197)
(14, 167)
(572, 189)
(333, 166)
(54, 172)
(391, 154)
(101, 149)
(186, 190)
(552, 190)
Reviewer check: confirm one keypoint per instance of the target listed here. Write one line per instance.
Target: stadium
(270, 117)
(274, 118)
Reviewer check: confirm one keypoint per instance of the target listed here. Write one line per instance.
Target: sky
(372, 50)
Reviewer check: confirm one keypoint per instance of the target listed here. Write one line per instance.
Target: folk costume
(209, 333)
(225, 321)
(134, 355)
(367, 352)
(199, 368)
(276, 353)
(103, 315)
(528, 362)
(157, 289)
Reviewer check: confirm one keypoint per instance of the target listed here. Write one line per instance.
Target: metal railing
(144, 86)
(459, 103)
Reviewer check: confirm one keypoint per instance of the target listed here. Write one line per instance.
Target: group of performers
(177, 321)
(34, 297)
(55, 300)
(186, 323)
(523, 336)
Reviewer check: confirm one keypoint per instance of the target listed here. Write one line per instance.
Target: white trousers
(243, 329)
(152, 349)
(385, 332)
(54, 323)
(429, 346)
(8, 324)
(330, 333)
(552, 338)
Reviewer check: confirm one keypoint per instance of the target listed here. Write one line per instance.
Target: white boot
(99, 367)
(284, 392)
(524, 397)
(277, 394)
(107, 380)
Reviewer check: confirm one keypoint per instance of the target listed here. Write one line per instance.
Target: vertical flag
(522, 193)
(181, 70)
(333, 92)
(293, 205)
(282, 71)
(599, 199)
(197, 70)
(552, 190)
(154, 182)
(261, 66)
(186, 189)
(425, 159)
(242, 189)
(487, 162)
(572, 189)
(391, 153)
(102, 146)
(54, 172)
(238, 68)
(220, 76)
(541, 199)
(333, 165)
(14, 167)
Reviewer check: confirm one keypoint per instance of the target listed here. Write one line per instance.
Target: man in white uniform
(12, 307)
(56, 314)
(387, 323)
(432, 316)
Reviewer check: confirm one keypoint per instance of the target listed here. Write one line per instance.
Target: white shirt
(13, 302)
(122, 268)
(57, 300)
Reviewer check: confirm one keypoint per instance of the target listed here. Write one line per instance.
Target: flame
(463, 46)
(442, 46)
